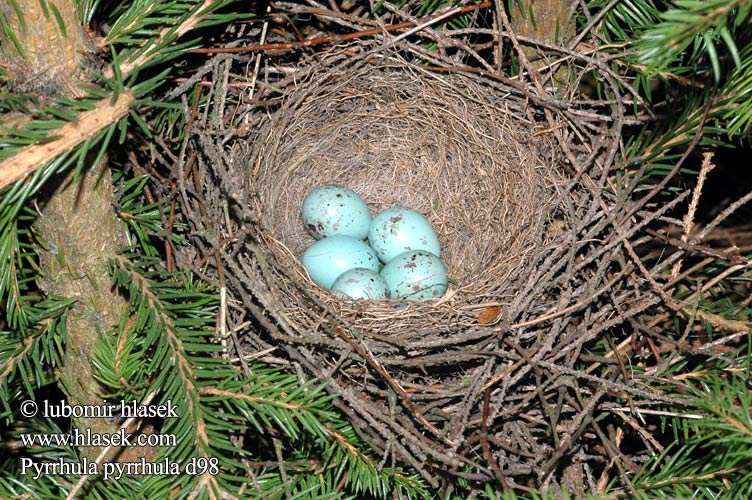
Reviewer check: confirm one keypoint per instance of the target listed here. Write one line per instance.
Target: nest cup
(443, 144)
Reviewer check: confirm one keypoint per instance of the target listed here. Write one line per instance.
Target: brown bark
(546, 20)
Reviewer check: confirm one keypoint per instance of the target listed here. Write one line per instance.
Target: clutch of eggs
(399, 237)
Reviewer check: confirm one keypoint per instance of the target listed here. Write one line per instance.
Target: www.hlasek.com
(86, 438)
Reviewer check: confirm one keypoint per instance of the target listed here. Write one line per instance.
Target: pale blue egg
(326, 259)
(361, 283)
(397, 230)
(415, 275)
(333, 210)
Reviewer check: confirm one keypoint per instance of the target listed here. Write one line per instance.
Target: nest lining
(399, 136)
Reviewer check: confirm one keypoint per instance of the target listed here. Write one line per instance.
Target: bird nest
(491, 380)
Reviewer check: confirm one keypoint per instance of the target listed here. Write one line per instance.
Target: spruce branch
(147, 50)
(304, 413)
(13, 274)
(120, 363)
(739, 112)
(135, 28)
(23, 361)
(694, 39)
(170, 334)
(712, 454)
(87, 126)
(695, 28)
(143, 221)
(124, 426)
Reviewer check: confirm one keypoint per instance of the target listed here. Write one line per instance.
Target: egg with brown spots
(361, 283)
(415, 275)
(398, 229)
(335, 211)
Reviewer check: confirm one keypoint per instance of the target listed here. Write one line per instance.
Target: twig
(281, 465)
(694, 248)
(662, 413)
(617, 457)
(573, 307)
(282, 46)
(426, 24)
(685, 307)
(168, 235)
(125, 425)
(223, 320)
(722, 216)
(503, 374)
(257, 66)
(689, 219)
(371, 360)
(484, 442)
(647, 437)
(592, 23)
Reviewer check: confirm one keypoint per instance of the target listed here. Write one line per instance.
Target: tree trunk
(79, 226)
(47, 56)
(547, 21)
(44, 48)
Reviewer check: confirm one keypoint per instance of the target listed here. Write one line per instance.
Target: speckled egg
(397, 230)
(415, 275)
(333, 210)
(361, 283)
(326, 259)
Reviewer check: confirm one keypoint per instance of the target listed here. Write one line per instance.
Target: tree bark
(546, 20)
(81, 231)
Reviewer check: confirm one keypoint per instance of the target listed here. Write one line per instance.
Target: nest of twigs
(491, 381)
